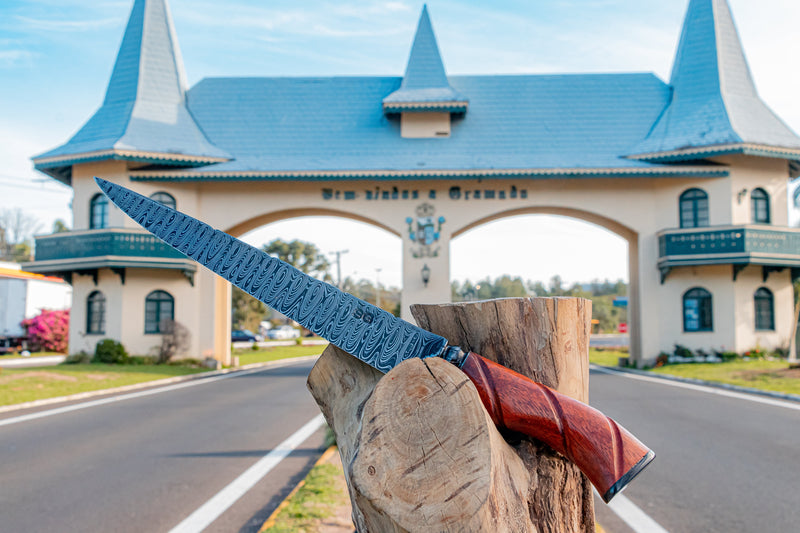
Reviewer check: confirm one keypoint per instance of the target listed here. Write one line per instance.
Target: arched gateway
(692, 173)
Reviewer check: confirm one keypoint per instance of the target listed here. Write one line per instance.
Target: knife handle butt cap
(603, 450)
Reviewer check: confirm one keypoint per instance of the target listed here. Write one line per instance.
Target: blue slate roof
(425, 81)
(144, 108)
(270, 128)
(537, 121)
(714, 99)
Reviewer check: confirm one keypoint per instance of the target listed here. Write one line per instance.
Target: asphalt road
(722, 464)
(147, 463)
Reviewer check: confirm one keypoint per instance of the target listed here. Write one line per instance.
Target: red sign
(622, 328)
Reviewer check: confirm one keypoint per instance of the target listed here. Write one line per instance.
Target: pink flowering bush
(49, 331)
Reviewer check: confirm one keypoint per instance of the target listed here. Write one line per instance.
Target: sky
(56, 57)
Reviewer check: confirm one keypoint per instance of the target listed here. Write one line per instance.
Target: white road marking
(633, 516)
(213, 508)
(148, 392)
(701, 388)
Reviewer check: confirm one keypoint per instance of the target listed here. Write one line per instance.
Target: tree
(248, 313)
(16, 234)
(304, 256)
(59, 226)
(175, 338)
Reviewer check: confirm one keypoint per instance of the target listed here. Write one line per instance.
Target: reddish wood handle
(603, 450)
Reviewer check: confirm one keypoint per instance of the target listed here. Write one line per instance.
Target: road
(145, 464)
(722, 464)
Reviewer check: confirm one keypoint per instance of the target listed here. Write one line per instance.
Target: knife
(603, 450)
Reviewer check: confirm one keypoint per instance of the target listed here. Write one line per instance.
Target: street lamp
(426, 274)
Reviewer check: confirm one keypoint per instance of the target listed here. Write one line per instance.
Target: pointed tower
(143, 116)
(715, 108)
(425, 87)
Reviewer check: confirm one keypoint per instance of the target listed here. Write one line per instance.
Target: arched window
(697, 310)
(98, 212)
(694, 209)
(765, 314)
(797, 198)
(158, 307)
(759, 206)
(165, 198)
(95, 313)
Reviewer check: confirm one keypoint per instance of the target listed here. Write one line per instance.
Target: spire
(144, 114)
(425, 85)
(714, 100)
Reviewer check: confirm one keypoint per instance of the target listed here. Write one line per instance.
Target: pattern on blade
(369, 333)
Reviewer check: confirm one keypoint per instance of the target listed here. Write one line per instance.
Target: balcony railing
(774, 248)
(87, 251)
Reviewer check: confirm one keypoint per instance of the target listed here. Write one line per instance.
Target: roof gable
(714, 100)
(425, 84)
(144, 109)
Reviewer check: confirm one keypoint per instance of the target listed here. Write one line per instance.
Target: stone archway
(222, 290)
(619, 229)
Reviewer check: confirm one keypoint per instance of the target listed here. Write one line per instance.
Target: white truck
(24, 295)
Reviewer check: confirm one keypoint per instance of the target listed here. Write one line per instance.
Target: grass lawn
(605, 357)
(27, 384)
(263, 355)
(321, 496)
(775, 376)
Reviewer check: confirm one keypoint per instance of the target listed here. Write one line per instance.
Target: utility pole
(338, 255)
(378, 287)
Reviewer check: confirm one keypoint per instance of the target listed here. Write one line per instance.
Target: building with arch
(692, 173)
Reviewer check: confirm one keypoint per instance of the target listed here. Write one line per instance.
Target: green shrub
(726, 356)
(111, 352)
(140, 360)
(683, 351)
(79, 358)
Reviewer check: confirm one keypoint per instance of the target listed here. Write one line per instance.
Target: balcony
(85, 252)
(774, 248)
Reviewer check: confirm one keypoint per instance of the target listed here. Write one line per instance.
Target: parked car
(283, 332)
(243, 335)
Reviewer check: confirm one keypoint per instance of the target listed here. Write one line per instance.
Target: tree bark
(419, 449)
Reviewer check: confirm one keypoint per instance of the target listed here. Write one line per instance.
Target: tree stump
(420, 451)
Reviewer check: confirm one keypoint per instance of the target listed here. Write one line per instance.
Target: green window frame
(698, 310)
(95, 313)
(158, 306)
(164, 198)
(759, 206)
(98, 212)
(693, 207)
(764, 303)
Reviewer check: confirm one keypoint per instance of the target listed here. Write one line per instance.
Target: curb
(270, 521)
(713, 384)
(154, 383)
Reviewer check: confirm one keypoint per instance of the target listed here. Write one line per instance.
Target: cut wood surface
(420, 451)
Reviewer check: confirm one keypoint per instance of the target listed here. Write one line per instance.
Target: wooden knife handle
(603, 450)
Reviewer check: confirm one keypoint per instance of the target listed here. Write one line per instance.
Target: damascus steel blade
(376, 337)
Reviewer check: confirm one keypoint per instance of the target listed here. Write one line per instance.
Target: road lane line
(702, 388)
(148, 392)
(213, 508)
(633, 516)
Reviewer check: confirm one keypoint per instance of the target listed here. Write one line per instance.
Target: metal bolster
(454, 354)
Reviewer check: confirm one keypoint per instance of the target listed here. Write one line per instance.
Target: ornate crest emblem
(424, 231)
